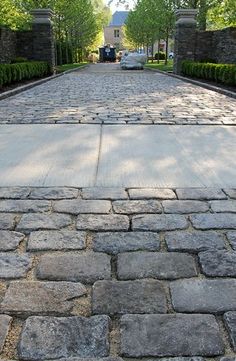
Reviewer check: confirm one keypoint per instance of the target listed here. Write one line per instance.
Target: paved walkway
(143, 268)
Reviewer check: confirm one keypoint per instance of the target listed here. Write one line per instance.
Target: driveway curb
(196, 82)
(22, 88)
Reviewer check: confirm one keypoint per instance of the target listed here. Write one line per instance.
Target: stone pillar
(185, 37)
(43, 40)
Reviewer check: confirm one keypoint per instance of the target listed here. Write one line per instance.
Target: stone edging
(22, 88)
(196, 82)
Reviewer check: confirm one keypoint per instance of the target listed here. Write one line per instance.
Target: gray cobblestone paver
(4, 328)
(167, 281)
(156, 99)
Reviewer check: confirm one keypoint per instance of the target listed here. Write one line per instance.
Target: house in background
(113, 33)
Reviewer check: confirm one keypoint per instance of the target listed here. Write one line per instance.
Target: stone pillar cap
(186, 15)
(42, 16)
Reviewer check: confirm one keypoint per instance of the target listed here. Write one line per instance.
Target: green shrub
(220, 73)
(19, 59)
(10, 73)
(162, 56)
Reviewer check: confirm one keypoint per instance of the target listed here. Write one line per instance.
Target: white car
(171, 55)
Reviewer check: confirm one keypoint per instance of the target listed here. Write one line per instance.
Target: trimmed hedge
(162, 56)
(220, 73)
(11, 73)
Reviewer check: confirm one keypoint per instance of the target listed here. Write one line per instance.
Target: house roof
(119, 18)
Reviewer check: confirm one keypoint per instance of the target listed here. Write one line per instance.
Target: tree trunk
(167, 46)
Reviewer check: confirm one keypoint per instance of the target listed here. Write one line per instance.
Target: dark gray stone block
(230, 321)
(218, 263)
(56, 240)
(208, 296)
(186, 206)
(214, 221)
(53, 193)
(121, 297)
(5, 322)
(51, 337)
(162, 222)
(200, 194)
(170, 335)
(14, 265)
(157, 265)
(9, 241)
(117, 242)
(37, 221)
(77, 206)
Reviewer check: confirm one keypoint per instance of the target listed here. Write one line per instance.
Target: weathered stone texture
(137, 206)
(223, 206)
(119, 242)
(194, 242)
(231, 192)
(230, 321)
(75, 206)
(5, 322)
(232, 239)
(108, 222)
(162, 222)
(14, 192)
(104, 193)
(150, 335)
(208, 296)
(121, 297)
(14, 265)
(149, 193)
(9, 241)
(24, 206)
(56, 240)
(51, 337)
(218, 264)
(214, 221)
(200, 193)
(157, 265)
(7, 221)
(177, 206)
(34, 298)
(37, 221)
(87, 267)
(53, 193)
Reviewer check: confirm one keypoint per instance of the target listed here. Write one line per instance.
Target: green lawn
(65, 67)
(161, 66)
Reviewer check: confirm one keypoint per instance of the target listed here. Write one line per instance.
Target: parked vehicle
(107, 53)
(171, 55)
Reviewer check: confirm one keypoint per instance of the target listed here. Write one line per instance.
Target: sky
(114, 6)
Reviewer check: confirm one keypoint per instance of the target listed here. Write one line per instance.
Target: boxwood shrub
(11, 73)
(220, 73)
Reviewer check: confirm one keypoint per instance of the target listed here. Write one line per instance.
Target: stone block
(13, 265)
(121, 297)
(104, 193)
(155, 265)
(107, 222)
(7, 221)
(200, 194)
(45, 338)
(218, 263)
(33, 222)
(14, 192)
(24, 206)
(206, 296)
(182, 207)
(77, 206)
(10, 240)
(214, 221)
(118, 242)
(149, 193)
(223, 206)
(137, 206)
(170, 335)
(230, 321)
(194, 242)
(53, 193)
(232, 239)
(56, 240)
(86, 267)
(162, 222)
(35, 298)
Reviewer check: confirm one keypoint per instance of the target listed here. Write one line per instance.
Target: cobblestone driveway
(152, 270)
(112, 274)
(105, 94)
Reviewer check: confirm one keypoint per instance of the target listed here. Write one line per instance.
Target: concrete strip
(48, 155)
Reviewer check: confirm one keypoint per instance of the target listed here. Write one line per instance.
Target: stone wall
(219, 45)
(191, 44)
(7, 45)
(35, 44)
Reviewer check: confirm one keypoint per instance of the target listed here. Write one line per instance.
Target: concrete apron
(118, 155)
